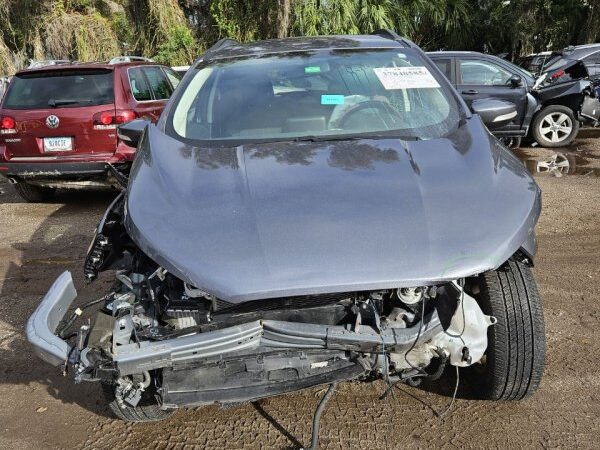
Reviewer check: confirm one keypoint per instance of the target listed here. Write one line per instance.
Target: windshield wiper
(54, 103)
(355, 137)
(326, 138)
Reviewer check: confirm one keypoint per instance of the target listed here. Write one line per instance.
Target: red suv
(58, 123)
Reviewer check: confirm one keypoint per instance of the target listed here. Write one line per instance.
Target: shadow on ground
(58, 244)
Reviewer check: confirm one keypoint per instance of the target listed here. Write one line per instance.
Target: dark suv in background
(588, 54)
(534, 62)
(58, 123)
(549, 108)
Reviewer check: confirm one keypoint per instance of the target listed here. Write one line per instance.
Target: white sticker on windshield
(405, 77)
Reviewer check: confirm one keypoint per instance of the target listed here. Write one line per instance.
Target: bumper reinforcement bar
(148, 355)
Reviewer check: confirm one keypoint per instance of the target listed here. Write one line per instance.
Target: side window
(482, 73)
(139, 86)
(173, 77)
(159, 83)
(594, 58)
(445, 65)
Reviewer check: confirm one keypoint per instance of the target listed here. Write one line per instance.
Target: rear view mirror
(131, 132)
(515, 80)
(494, 113)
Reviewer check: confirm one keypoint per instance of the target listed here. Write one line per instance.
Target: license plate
(58, 144)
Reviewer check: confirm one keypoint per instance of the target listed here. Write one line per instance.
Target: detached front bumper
(43, 323)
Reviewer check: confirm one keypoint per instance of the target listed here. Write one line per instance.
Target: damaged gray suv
(308, 211)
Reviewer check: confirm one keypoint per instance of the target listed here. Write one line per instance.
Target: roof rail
(387, 33)
(126, 59)
(219, 45)
(37, 64)
(223, 43)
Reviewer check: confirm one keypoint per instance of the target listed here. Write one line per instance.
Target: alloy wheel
(556, 127)
(557, 164)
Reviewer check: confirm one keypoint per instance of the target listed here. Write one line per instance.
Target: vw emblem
(52, 121)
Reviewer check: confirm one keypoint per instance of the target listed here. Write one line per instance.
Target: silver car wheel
(558, 164)
(556, 127)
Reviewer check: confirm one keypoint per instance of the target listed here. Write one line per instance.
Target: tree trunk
(283, 18)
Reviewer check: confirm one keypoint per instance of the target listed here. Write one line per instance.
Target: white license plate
(58, 144)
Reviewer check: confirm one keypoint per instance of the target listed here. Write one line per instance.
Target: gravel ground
(39, 408)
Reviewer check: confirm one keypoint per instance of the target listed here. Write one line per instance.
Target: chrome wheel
(556, 127)
(557, 164)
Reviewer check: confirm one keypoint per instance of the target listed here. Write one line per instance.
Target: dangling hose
(314, 443)
(63, 326)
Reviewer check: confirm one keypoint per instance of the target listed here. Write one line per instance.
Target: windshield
(64, 89)
(324, 94)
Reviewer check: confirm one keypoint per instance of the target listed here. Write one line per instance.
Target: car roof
(294, 44)
(90, 65)
(580, 51)
(457, 53)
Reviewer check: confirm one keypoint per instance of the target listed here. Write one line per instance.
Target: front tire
(511, 142)
(147, 409)
(32, 193)
(514, 360)
(555, 126)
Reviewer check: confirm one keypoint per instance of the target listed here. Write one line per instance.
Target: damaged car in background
(308, 211)
(550, 108)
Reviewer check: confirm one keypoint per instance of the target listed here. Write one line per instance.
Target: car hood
(299, 218)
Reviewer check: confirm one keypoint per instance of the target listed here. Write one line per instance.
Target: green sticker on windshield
(312, 69)
(330, 99)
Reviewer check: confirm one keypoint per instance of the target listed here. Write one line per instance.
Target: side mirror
(131, 132)
(494, 113)
(515, 80)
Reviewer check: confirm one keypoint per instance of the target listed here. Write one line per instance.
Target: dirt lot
(41, 409)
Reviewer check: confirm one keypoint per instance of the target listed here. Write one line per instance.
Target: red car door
(150, 88)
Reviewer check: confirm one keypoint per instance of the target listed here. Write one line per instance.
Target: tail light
(7, 125)
(125, 115)
(557, 74)
(108, 120)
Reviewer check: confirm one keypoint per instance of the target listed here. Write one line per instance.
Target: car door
(482, 78)
(446, 66)
(151, 87)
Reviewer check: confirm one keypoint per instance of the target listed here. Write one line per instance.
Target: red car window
(139, 86)
(159, 82)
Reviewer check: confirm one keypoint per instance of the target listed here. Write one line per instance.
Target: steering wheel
(386, 108)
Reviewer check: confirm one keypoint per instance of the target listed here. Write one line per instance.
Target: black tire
(514, 359)
(511, 142)
(34, 194)
(551, 113)
(147, 409)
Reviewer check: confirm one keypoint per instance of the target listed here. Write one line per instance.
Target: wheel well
(570, 101)
(521, 256)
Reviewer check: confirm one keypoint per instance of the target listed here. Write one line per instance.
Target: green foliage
(122, 29)
(245, 20)
(178, 48)
(77, 36)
